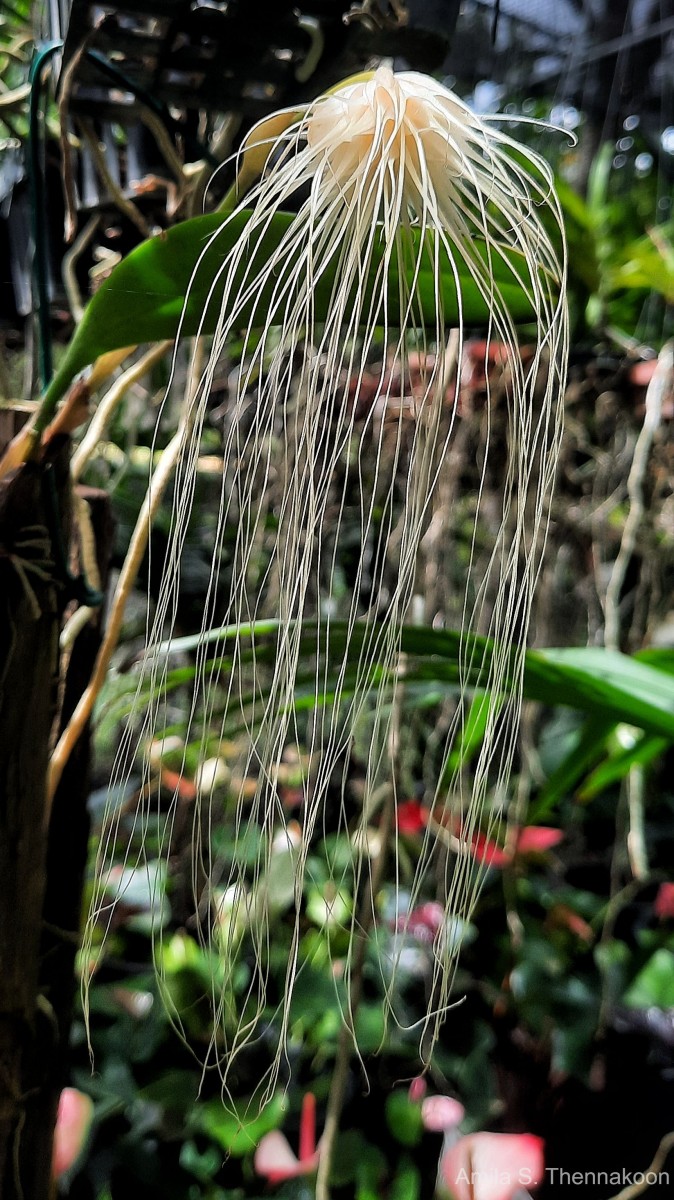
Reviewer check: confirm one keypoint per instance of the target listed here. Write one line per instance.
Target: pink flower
(73, 1122)
(536, 839)
(417, 1090)
(492, 1166)
(274, 1158)
(440, 1113)
(424, 922)
(663, 905)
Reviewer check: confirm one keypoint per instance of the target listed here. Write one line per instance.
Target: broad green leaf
(660, 658)
(586, 750)
(590, 679)
(606, 681)
(403, 1118)
(647, 263)
(171, 282)
(238, 1130)
(654, 985)
(407, 1183)
(581, 236)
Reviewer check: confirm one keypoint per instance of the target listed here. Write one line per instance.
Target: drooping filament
(394, 171)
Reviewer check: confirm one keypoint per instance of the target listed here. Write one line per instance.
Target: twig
(123, 203)
(127, 578)
(67, 172)
(636, 834)
(87, 538)
(616, 903)
(68, 266)
(109, 403)
(637, 1189)
(635, 494)
(631, 344)
(164, 143)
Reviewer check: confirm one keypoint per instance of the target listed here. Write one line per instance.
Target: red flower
(274, 1158)
(663, 906)
(492, 1166)
(410, 818)
(484, 850)
(533, 839)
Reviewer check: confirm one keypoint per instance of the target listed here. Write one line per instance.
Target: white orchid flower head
(403, 200)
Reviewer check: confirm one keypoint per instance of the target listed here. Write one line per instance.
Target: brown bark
(31, 599)
(41, 870)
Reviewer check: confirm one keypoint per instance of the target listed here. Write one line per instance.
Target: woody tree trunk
(42, 858)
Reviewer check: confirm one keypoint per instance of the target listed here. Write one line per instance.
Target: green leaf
(647, 263)
(470, 736)
(581, 236)
(203, 1165)
(404, 1119)
(599, 182)
(357, 1160)
(590, 679)
(238, 1130)
(171, 283)
(654, 985)
(662, 660)
(407, 1183)
(606, 681)
(586, 749)
(613, 958)
(176, 1090)
(328, 906)
(370, 1170)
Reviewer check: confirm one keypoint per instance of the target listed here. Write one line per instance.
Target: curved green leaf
(590, 679)
(158, 288)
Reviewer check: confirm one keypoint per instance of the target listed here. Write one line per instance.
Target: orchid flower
(396, 182)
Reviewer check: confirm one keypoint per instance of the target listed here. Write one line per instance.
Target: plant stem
(636, 1189)
(345, 1043)
(635, 494)
(109, 403)
(127, 579)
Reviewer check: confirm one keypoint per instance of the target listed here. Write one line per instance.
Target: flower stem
(345, 1043)
(127, 579)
